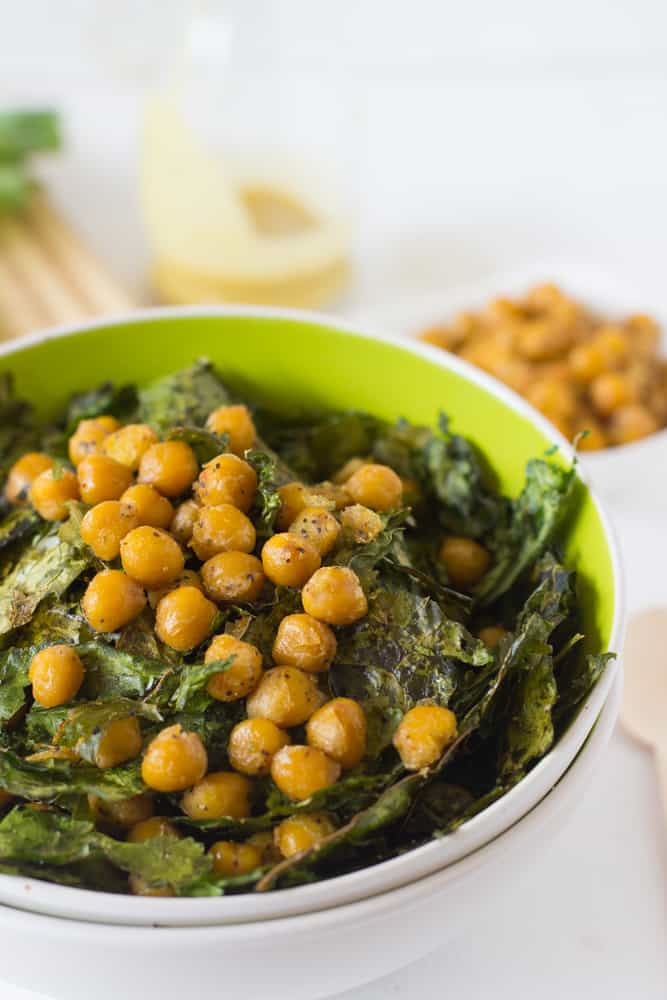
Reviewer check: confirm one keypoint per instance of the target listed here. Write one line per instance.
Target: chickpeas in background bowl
(344, 636)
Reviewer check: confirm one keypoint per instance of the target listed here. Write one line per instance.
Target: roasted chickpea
(466, 561)
(289, 560)
(339, 729)
(220, 793)
(360, 524)
(300, 771)
(593, 435)
(88, 437)
(334, 595)
(112, 600)
(50, 493)
(227, 479)
(184, 618)
(170, 466)
(264, 842)
(183, 522)
(610, 391)
(174, 760)
(106, 524)
(120, 741)
(231, 859)
(644, 333)
(300, 833)
(423, 734)
(492, 634)
(318, 526)
(151, 507)
(241, 676)
(188, 578)
(156, 826)
(293, 498)
(555, 399)
(252, 744)
(129, 443)
(614, 345)
(631, 423)
(375, 486)
(236, 422)
(140, 887)
(542, 340)
(56, 673)
(233, 576)
(586, 362)
(221, 529)
(303, 641)
(125, 813)
(102, 478)
(23, 473)
(286, 696)
(151, 557)
(351, 466)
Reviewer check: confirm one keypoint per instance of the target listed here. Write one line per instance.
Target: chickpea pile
(582, 371)
(179, 543)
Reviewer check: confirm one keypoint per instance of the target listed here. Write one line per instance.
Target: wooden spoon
(644, 708)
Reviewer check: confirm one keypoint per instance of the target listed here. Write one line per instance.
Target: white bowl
(633, 476)
(106, 908)
(303, 957)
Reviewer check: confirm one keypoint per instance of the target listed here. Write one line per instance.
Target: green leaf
(15, 187)
(530, 732)
(19, 523)
(365, 557)
(576, 678)
(29, 131)
(114, 673)
(107, 399)
(379, 693)
(14, 666)
(84, 723)
(267, 500)
(192, 680)
(205, 444)
(47, 781)
(18, 429)
(185, 398)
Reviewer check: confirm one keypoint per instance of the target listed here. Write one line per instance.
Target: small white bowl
(298, 958)
(633, 476)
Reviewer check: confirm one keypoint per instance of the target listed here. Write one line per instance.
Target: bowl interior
(309, 361)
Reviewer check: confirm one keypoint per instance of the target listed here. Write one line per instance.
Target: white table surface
(458, 178)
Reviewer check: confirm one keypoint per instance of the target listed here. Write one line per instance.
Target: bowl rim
(92, 905)
(523, 832)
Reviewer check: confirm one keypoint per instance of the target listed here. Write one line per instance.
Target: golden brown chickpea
(542, 340)
(125, 813)
(227, 479)
(304, 642)
(88, 437)
(610, 391)
(375, 486)
(318, 526)
(300, 771)
(170, 466)
(174, 760)
(106, 524)
(300, 833)
(492, 634)
(221, 529)
(151, 557)
(286, 696)
(293, 498)
(423, 734)
(156, 826)
(233, 576)
(289, 560)
(23, 473)
(441, 336)
(220, 793)
(102, 478)
(120, 741)
(631, 423)
(346, 470)
(242, 676)
(644, 334)
(466, 561)
(555, 399)
(140, 887)
(188, 578)
(151, 507)
(614, 345)
(231, 859)
(361, 524)
(112, 600)
(264, 842)
(50, 493)
(252, 744)
(586, 362)
(334, 595)
(183, 521)
(128, 444)
(236, 422)
(339, 730)
(56, 673)
(184, 618)
(593, 436)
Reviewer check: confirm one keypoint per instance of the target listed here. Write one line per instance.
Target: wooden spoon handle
(660, 757)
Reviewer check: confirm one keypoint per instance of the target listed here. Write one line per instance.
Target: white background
(485, 136)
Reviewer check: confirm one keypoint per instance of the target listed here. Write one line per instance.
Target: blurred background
(356, 156)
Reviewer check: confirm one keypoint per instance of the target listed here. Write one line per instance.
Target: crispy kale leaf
(53, 779)
(20, 523)
(116, 401)
(183, 399)
(205, 444)
(267, 500)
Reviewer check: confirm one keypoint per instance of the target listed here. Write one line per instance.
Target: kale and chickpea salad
(243, 650)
